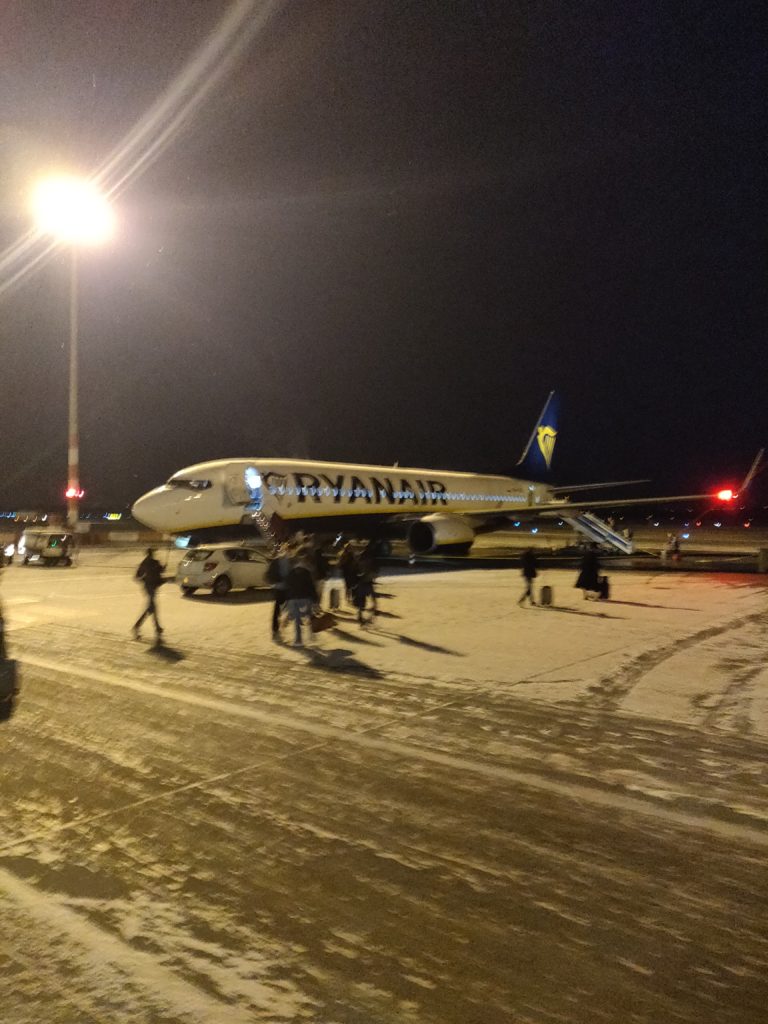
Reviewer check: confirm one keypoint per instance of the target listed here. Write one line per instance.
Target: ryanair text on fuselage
(372, 490)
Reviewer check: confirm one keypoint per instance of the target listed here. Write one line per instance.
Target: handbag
(321, 620)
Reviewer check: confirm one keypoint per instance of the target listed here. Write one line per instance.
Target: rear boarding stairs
(599, 532)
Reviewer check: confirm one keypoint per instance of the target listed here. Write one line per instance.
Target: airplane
(434, 510)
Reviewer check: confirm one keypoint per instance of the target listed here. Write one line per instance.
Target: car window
(236, 555)
(200, 555)
(256, 556)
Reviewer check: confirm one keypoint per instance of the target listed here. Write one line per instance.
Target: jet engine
(440, 532)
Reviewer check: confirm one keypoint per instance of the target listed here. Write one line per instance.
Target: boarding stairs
(599, 532)
(255, 517)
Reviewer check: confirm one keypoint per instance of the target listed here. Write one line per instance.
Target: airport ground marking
(607, 799)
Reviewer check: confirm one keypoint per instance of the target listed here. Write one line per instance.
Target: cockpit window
(190, 485)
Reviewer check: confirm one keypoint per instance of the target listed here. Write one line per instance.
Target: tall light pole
(75, 213)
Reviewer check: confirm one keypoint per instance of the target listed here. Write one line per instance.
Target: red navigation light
(727, 494)
(73, 492)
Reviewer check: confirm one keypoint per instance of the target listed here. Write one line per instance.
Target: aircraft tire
(222, 586)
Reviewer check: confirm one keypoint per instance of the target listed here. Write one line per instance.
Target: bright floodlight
(72, 210)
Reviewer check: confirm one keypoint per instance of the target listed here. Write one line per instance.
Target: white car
(221, 568)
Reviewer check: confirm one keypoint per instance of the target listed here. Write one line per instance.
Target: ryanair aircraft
(432, 509)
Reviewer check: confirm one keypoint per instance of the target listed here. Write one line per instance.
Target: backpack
(273, 572)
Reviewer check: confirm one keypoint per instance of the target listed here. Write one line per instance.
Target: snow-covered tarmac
(673, 646)
(467, 812)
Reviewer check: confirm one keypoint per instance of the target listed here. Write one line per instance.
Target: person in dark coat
(364, 587)
(277, 573)
(322, 566)
(150, 573)
(529, 573)
(301, 594)
(347, 562)
(588, 579)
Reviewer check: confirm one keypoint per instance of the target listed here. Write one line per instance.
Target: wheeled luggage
(605, 588)
(545, 597)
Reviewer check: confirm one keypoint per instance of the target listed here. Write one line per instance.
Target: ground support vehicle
(46, 545)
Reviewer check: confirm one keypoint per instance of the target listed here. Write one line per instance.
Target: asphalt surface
(198, 835)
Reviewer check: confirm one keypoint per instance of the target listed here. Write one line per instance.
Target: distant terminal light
(727, 494)
(74, 492)
(113, 517)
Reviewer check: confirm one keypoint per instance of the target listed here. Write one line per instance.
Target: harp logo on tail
(546, 437)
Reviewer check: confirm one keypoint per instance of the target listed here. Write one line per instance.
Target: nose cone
(151, 510)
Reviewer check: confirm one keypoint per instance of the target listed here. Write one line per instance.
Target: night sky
(388, 231)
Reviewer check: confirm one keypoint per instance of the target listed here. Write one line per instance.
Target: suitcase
(334, 599)
(545, 597)
(605, 588)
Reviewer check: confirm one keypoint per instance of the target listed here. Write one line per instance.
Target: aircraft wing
(556, 508)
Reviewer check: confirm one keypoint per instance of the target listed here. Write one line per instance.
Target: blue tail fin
(536, 460)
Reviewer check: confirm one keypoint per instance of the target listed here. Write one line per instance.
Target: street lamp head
(72, 210)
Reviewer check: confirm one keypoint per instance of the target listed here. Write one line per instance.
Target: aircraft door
(234, 485)
(243, 486)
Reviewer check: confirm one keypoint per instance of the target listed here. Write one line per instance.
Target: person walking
(317, 559)
(673, 547)
(528, 569)
(347, 562)
(150, 574)
(277, 574)
(301, 595)
(588, 578)
(364, 586)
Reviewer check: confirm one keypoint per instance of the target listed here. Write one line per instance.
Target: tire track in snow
(610, 690)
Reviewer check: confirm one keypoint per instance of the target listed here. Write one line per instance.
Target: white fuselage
(228, 491)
